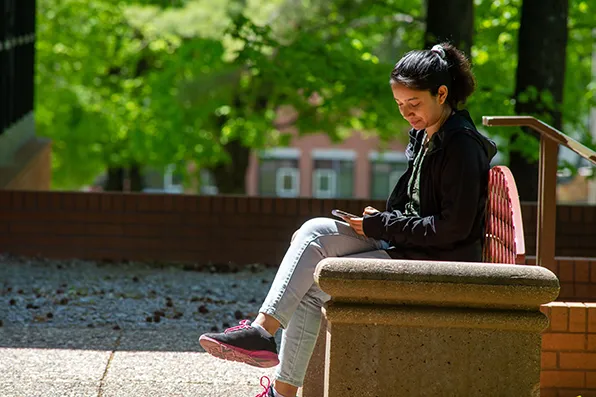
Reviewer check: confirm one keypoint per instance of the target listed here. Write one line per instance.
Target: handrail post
(547, 202)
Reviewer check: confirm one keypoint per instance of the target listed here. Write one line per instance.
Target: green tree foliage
(127, 83)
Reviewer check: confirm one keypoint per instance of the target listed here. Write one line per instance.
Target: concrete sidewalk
(55, 362)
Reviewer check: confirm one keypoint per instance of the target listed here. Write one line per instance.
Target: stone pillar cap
(434, 283)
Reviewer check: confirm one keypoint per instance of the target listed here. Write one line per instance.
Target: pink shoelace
(243, 324)
(264, 393)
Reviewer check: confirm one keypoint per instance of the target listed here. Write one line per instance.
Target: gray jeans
(295, 300)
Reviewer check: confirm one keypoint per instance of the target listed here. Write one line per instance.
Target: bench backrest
(504, 230)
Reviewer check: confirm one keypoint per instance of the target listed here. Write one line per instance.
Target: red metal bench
(504, 237)
(504, 243)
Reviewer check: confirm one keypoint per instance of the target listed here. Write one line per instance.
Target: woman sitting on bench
(435, 212)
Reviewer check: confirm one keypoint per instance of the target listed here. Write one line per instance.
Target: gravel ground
(50, 293)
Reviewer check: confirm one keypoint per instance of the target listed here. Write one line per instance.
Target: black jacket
(453, 191)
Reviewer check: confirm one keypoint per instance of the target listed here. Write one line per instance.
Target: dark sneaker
(268, 392)
(242, 343)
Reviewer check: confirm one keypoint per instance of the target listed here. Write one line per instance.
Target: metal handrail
(550, 139)
(544, 129)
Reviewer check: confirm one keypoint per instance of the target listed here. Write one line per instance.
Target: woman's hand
(356, 224)
(370, 211)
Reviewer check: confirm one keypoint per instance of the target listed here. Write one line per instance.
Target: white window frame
(333, 154)
(390, 156)
(168, 185)
(280, 175)
(210, 190)
(280, 153)
(317, 176)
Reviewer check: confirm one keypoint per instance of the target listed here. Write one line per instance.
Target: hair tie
(438, 49)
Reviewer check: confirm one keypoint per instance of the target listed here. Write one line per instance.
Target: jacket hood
(460, 121)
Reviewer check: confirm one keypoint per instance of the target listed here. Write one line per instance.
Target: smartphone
(343, 214)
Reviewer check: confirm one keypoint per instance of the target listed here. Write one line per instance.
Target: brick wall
(576, 229)
(577, 277)
(569, 350)
(247, 229)
(202, 228)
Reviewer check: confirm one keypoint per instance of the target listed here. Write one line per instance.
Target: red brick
(573, 393)
(204, 204)
(189, 203)
(44, 201)
(559, 316)
(577, 212)
(591, 342)
(93, 201)
(566, 270)
(591, 380)
(582, 271)
(5, 200)
(591, 317)
(174, 202)
(316, 207)
(548, 360)
(242, 205)
(562, 379)
(229, 205)
(66, 201)
(131, 202)
(149, 202)
(105, 201)
(279, 206)
(563, 213)
(584, 291)
(577, 317)
(547, 312)
(217, 205)
(118, 202)
(577, 360)
(328, 205)
(17, 200)
(553, 267)
(30, 200)
(267, 205)
(254, 205)
(291, 207)
(549, 392)
(304, 206)
(593, 271)
(558, 342)
(567, 291)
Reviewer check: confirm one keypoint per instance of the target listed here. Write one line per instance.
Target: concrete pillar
(422, 328)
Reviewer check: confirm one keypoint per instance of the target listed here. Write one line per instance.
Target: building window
(324, 183)
(333, 173)
(208, 185)
(386, 169)
(279, 174)
(287, 181)
(167, 181)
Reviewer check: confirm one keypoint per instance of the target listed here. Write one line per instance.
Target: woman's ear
(442, 94)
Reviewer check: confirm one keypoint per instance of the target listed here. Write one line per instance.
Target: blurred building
(24, 158)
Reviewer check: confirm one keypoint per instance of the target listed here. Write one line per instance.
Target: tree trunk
(115, 181)
(542, 45)
(135, 177)
(230, 176)
(119, 181)
(451, 21)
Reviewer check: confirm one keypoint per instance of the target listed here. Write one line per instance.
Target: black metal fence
(17, 60)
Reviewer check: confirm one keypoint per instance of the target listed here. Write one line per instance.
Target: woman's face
(419, 108)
